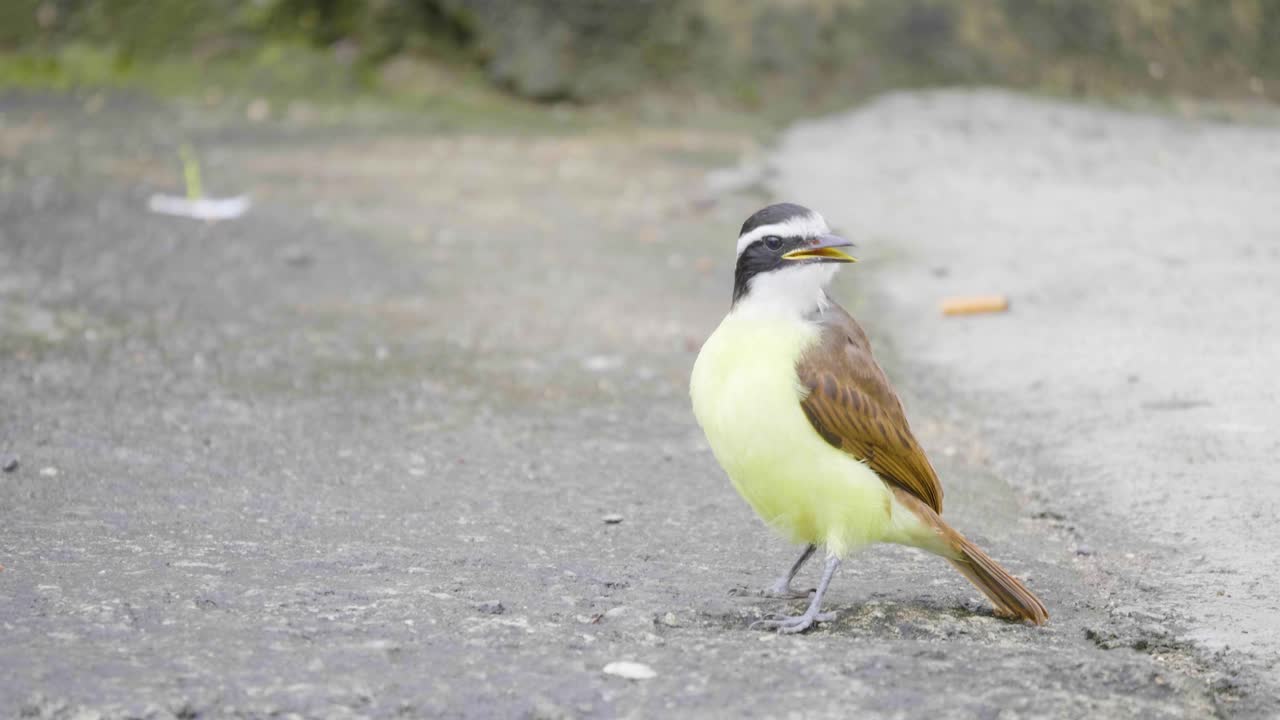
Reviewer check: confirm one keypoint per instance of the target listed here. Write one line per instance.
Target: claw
(811, 616)
(804, 624)
(769, 621)
(788, 624)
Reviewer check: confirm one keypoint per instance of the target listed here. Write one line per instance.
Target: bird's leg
(800, 623)
(782, 588)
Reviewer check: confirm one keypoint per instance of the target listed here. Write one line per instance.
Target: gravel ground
(412, 437)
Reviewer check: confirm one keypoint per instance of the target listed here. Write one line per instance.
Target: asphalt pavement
(412, 437)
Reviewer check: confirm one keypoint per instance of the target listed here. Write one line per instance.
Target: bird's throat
(792, 293)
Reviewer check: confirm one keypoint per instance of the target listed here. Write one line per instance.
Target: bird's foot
(783, 591)
(788, 624)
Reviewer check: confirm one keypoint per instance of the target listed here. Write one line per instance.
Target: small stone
(630, 670)
(601, 363)
(670, 620)
(11, 464)
(49, 471)
(1084, 550)
(612, 519)
(492, 607)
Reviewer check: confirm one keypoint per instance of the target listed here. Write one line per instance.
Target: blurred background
(344, 350)
(779, 57)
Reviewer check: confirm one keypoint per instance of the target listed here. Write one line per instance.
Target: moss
(272, 69)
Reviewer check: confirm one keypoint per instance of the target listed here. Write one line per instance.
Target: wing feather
(854, 408)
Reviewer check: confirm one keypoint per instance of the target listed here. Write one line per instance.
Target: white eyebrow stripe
(801, 226)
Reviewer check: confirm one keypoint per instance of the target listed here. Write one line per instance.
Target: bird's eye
(773, 242)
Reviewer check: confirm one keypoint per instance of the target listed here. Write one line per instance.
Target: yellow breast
(746, 396)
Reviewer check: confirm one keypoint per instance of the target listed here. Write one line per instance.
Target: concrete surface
(362, 453)
(1130, 392)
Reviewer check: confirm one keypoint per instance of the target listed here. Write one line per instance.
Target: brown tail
(1011, 598)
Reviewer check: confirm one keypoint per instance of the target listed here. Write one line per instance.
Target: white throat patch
(793, 292)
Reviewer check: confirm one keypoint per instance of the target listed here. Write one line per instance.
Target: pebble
(492, 607)
(612, 519)
(1084, 550)
(601, 363)
(49, 471)
(11, 464)
(630, 670)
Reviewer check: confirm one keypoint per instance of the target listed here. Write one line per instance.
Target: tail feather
(1011, 598)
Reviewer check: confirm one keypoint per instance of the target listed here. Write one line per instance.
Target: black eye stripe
(765, 254)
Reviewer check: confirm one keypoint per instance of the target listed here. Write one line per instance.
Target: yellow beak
(823, 247)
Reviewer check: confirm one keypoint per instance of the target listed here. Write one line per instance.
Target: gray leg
(782, 588)
(800, 623)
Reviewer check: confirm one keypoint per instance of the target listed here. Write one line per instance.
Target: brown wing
(851, 404)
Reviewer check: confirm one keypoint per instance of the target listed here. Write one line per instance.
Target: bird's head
(786, 258)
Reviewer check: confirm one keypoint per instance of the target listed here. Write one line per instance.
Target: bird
(809, 429)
